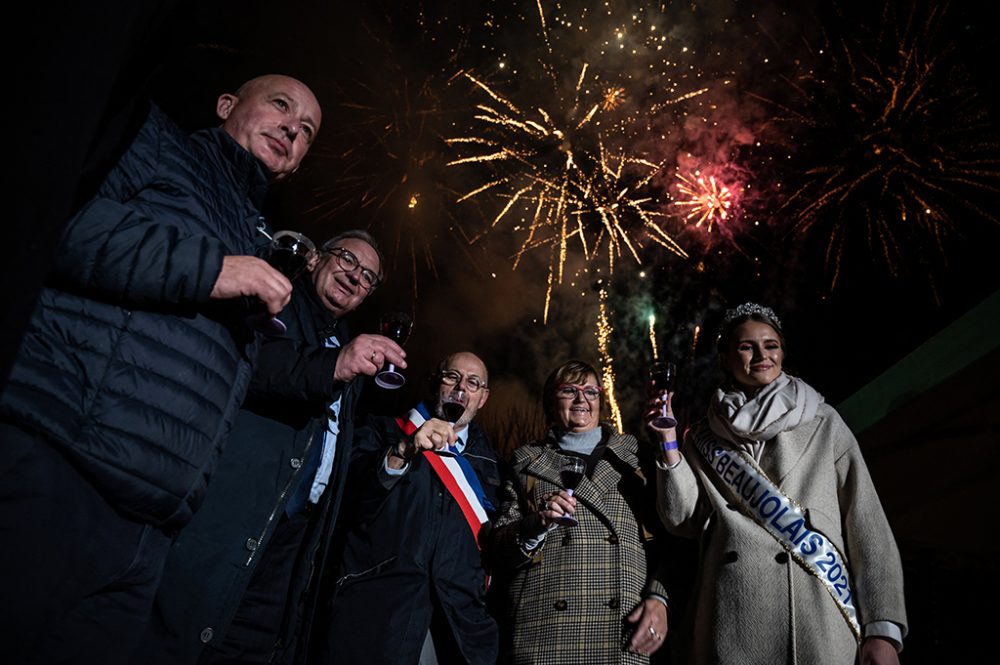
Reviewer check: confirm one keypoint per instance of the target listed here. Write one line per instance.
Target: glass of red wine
(453, 405)
(396, 326)
(661, 381)
(571, 470)
(289, 253)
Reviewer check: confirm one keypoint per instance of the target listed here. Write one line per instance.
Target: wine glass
(289, 252)
(453, 405)
(571, 470)
(661, 380)
(396, 326)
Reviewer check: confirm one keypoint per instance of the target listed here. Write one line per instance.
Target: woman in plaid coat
(578, 579)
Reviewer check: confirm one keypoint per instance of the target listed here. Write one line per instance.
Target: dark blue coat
(126, 365)
(409, 553)
(284, 418)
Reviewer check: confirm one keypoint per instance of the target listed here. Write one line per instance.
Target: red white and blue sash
(455, 472)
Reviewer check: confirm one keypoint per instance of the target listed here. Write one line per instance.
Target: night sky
(834, 130)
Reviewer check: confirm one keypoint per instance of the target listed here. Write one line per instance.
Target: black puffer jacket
(126, 364)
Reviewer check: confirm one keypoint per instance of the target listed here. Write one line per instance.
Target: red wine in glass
(571, 470)
(452, 411)
(396, 326)
(661, 380)
(289, 254)
(287, 262)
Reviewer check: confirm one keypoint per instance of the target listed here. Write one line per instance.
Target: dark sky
(788, 104)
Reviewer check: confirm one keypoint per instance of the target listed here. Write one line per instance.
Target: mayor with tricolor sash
(797, 560)
(412, 586)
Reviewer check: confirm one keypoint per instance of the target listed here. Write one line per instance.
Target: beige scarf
(783, 404)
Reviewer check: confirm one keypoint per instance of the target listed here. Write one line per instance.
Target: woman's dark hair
(572, 371)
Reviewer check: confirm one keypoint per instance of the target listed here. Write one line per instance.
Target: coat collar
(248, 173)
(602, 482)
(326, 324)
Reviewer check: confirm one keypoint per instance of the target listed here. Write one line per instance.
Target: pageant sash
(749, 487)
(455, 472)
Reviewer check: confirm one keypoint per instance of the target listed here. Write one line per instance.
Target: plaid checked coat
(567, 603)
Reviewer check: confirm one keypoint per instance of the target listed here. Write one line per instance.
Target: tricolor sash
(744, 483)
(455, 472)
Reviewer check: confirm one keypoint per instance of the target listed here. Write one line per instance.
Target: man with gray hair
(240, 580)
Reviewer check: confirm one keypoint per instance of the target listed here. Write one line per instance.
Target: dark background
(385, 74)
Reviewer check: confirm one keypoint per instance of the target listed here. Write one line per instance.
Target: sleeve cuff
(667, 467)
(660, 598)
(389, 476)
(886, 629)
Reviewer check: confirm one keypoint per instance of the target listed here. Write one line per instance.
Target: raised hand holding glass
(661, 381)
(396, 326)
(289, 253)
(571, 470)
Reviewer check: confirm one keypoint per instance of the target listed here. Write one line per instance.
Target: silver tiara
(748, 308)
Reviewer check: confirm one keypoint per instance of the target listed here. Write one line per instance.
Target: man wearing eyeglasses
(239, 585)
(412, 581)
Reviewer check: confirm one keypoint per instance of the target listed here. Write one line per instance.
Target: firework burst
(577, 170)
(703, 199)
(900, 144)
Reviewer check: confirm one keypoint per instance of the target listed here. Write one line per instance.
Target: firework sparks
(652, 337)
(705, 199)
(604, 331)
(613, 98)
(694, 339)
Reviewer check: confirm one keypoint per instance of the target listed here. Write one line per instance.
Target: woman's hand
(878, 651)
(556, 505)
(654, 409)
(650, 619)
(665, 437)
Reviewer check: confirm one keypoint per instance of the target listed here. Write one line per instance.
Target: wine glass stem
(569, 491)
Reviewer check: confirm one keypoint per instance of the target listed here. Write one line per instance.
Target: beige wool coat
(566, 605)
(752, 603)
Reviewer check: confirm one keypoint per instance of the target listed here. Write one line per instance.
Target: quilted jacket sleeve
(112, 251)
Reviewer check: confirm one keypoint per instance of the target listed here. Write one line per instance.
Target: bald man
(132, 369)
(412, 580)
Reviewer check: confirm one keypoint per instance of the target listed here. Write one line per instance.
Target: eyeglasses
(349, 263)
(450, 377)
(571, 391)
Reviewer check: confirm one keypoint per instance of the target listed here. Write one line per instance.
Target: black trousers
(271, 604)
(77, 578)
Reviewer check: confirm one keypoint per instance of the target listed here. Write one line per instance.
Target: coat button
(613, 539)
(251, 544)
(613, 602)
(731, 556)
(295, 462)
(560, 605)
(781, 557)
(206, 635)
(566, 540)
